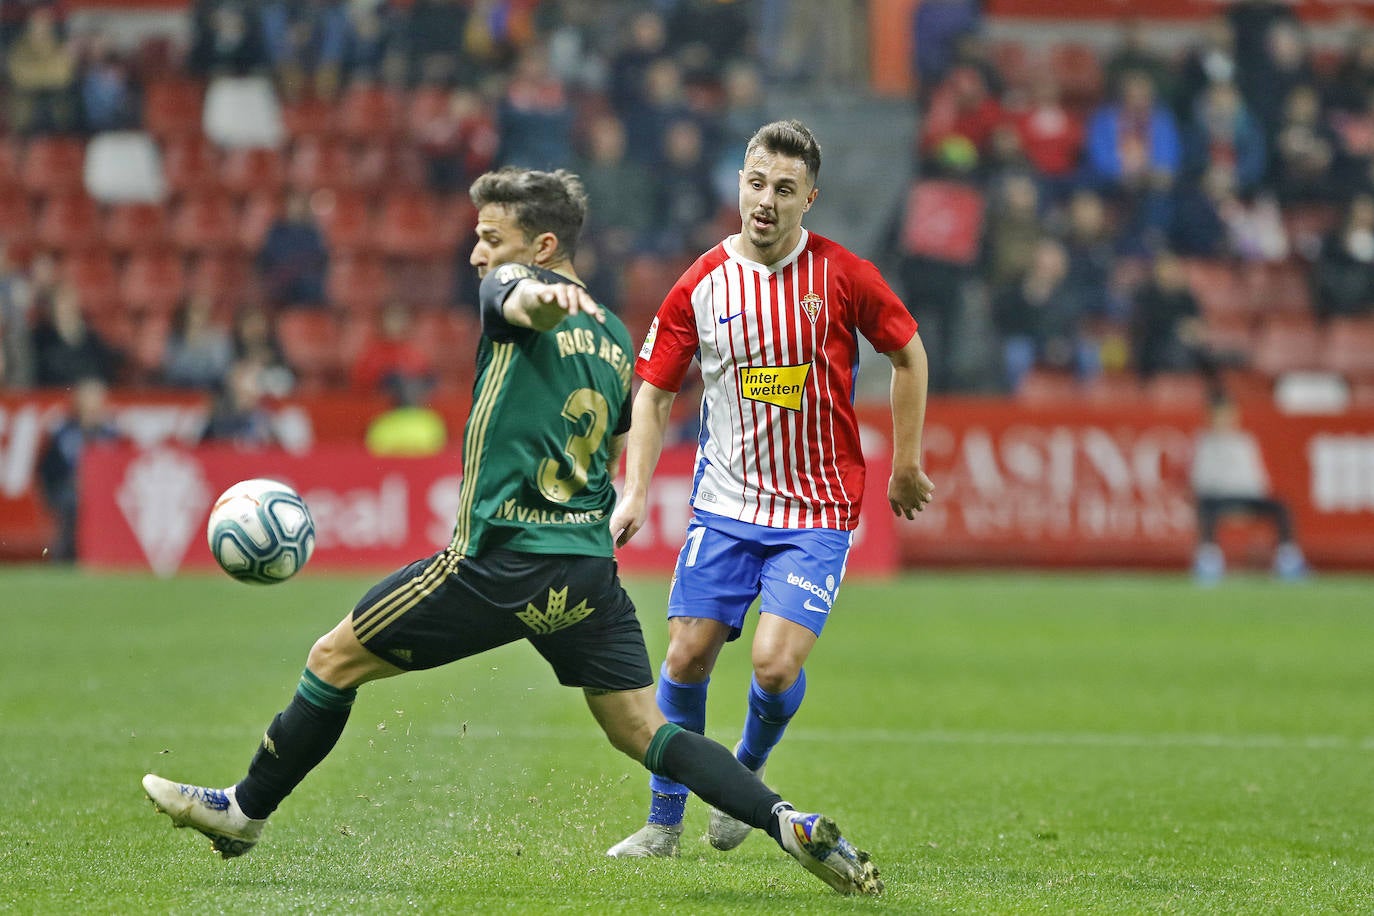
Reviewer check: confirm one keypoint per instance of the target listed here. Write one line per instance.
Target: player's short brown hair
(788, 138)
(541, 201)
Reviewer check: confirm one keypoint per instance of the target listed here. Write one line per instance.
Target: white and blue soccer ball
(261, 531)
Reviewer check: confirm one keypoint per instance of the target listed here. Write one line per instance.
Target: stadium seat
(1282, 288)
(16, 218)
(1348, 347)
(450, 336)
(1219, 291)
(9, 163)
(1306, 224)
(1285, 345)
(1121, 389)
(408, 226)
(227, 278)
(124, 166)
(153, 281)
(205, 222)
(1014, 63)
(242, 112)
(310, 342)
(1231, 336)
(245, 171)
(148, 349)
(130, 227)
(381, 166)
(357, 284)
(53, 165)
(308, 116)
(1048, 387)
(69, 222)
(1078, 71)
(259, 211)
(96, 278)
(1177, 390)
(320, 162)
(425, 282)
(172, 108)
(346, 220)
(368, 112)
(190, 163)
(425, 105)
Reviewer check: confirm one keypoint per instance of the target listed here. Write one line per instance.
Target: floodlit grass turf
(1001, 742)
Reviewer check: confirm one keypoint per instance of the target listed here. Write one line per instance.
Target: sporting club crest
(813, 304)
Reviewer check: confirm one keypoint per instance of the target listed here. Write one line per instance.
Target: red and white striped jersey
(779, 355)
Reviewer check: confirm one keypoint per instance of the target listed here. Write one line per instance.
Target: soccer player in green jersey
(531, 554)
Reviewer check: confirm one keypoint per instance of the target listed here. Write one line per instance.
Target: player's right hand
(626, 520)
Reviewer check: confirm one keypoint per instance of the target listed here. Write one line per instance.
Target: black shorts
(572, 609)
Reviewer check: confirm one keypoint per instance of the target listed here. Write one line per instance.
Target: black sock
(713, 773)
(299, 737)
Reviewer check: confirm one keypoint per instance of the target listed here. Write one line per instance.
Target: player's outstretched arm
(543, 306)
(648, 426)
(909, 489)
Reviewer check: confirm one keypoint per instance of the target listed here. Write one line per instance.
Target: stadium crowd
(1119, 213)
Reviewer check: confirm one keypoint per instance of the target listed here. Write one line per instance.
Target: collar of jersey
(766, 268)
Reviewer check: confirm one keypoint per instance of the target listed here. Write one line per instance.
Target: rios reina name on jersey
(545, 406)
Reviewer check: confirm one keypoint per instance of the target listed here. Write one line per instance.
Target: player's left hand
(568, 298)
(909, 490)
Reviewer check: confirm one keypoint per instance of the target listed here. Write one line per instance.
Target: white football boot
(652, 841)
(725, 832)
(814, 840)
(214, 812)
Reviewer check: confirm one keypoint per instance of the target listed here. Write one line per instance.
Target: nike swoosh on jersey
(727, 318)
(811, 607)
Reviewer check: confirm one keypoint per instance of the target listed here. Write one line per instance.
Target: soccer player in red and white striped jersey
(772, 315)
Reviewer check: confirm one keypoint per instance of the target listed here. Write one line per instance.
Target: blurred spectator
(255, 341)
(461, 143)
(1051, 135)
(1302, 170)
(373, 51)
(715, 32)
(1349, 88)
(1036, 322)
(392, 357)
(435, 40)
(961, 108)
(1229, 478)
(410, 428)
(1090, 250)
(1212, 60)
(109, 100)
(293, 258)
(1269, 78)
(1133, 153)
(1212, 220)
(16, 342)
(1354, 130)
(664, 102)
(306, 41)
(42, 77)
(645, 43)
(1014, 231)
(239, 416)
(67, 349)
(685, 198)
(199, 351)
(227, 41)
(535, 116)
(937, 26)
(1133, 54)
(88, 422)
(1224, 136)
(814, 43)
(617, 187)
(1166, 322)
(743, 112)
(1343, 276)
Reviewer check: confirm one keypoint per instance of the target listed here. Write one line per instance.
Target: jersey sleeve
(672, 340)
(880, 314)
(491, 299)
(622, 425)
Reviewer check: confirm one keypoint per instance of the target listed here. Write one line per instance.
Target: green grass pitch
(1000, 742)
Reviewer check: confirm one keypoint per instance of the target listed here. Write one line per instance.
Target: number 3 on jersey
(583, 404)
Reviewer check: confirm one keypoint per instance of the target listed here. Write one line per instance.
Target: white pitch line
(1022, 739)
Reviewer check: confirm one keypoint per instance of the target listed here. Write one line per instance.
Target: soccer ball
(261, 531)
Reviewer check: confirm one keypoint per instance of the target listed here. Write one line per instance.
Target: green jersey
(536, 446)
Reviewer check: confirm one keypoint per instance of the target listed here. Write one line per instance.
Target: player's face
(774, 192)
(500, 240)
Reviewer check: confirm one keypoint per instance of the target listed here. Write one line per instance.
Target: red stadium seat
(408, 226)
(1287, 346)
(308, 117)
(320, 162)
(226, 277)
(173, 108)
(9, 163)
(428, 283)
(383, 166)
(1120, 389)
(96, 279)
(1048, 387)
(425, 105)
(1230, 335)
(148, 348)
(1348, 347)
(1219, 290)
(153, 281)
(16, 218)
(450, 337)
(1079, 72)
(357, 284)
(258, 213)
(1177, 390)
(310, 340)
(368, 112)
(246, 171)
(205, 222)
(346, 220)
(53, 165)
(190, 163)
(1014, 64)
(1282, 288)
(69, 222)
(130, 227)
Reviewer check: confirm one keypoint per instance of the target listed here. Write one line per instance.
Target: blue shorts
(725, 564)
